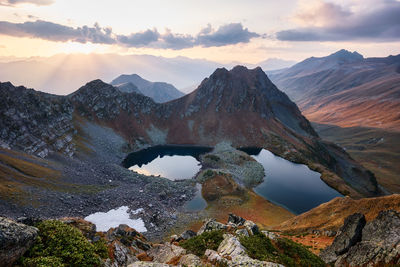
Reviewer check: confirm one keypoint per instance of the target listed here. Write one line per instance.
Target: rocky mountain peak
(347, 56)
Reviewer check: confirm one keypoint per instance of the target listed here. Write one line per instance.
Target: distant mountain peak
(346, 55)
(158, 91)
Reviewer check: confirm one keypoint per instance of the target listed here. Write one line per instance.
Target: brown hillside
(331, 215)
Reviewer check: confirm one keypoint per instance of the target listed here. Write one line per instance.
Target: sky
(247, 31)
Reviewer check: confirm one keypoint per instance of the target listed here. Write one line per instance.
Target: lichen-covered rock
(164, 253)
(15, 239)
(214, 257)
(380, 243)
(348, 236)
(190, 260)
(211, 225)
(270, 235)
(231, 247)
(122, 255)
(247, 261)
(251, 227)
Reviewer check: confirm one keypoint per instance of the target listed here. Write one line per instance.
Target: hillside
(345, 89)
(331, 215)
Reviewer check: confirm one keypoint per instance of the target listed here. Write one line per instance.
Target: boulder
(349, 234)
(211, 225)
(214, 257)
(15, 239)
(235, 220)
(123, 256)
(251, 227)
(231, 247)
(186, 235)
(190, 260)
(166, 252)
(380, 243)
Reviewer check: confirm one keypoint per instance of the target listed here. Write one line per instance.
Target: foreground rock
(348, 236)
(15, 239)
(378, 244)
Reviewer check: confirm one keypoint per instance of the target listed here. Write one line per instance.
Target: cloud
(229, 34)
(34, 2)
(329, 22)
(56, 32)
(233, 33)
(139, 39)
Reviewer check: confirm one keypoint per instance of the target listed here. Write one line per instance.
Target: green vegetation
(212, 157)
(59, 244)
(283, 251)
(259, 247)
(295, 254)
(207, 240)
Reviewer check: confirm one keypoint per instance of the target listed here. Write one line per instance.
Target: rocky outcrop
(15, 239)
(379, 244)
(35, 122)
(165, 253)
(348, 236)
(211, 225)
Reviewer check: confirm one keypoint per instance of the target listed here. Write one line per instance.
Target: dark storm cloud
(381, 24)
(225, 35)
(35, 2)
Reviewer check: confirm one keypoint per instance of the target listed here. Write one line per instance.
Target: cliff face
(240, 106)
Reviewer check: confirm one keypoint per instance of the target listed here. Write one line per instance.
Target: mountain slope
(159, 91)
(346, 89)
(240, 106)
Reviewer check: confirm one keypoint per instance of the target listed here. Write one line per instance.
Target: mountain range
(345, 89)
(63, 73)
(240, 106)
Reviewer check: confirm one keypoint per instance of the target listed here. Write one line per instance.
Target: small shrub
(212, 157)
(199, 244)
(294, 254)
(259, 247)
(64, 245)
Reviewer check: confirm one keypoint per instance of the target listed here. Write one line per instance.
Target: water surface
(293, 186)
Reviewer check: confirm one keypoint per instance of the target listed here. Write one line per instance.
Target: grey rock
(187, 235)
(270, 235)
(15, 239)
(235, 220)
(165, 252)
(211, 225)
(380, 243)
(251, 227)
(349, 234)
(231, 247)
(190, 260)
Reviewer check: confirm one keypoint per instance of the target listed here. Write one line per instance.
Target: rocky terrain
(345, 89)
(66, 151)
(159, 91)
(239, 242)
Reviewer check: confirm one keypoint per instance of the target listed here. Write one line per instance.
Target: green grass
(199, 244)
(282, 251)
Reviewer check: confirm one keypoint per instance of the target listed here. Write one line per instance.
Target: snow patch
(115, 217)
